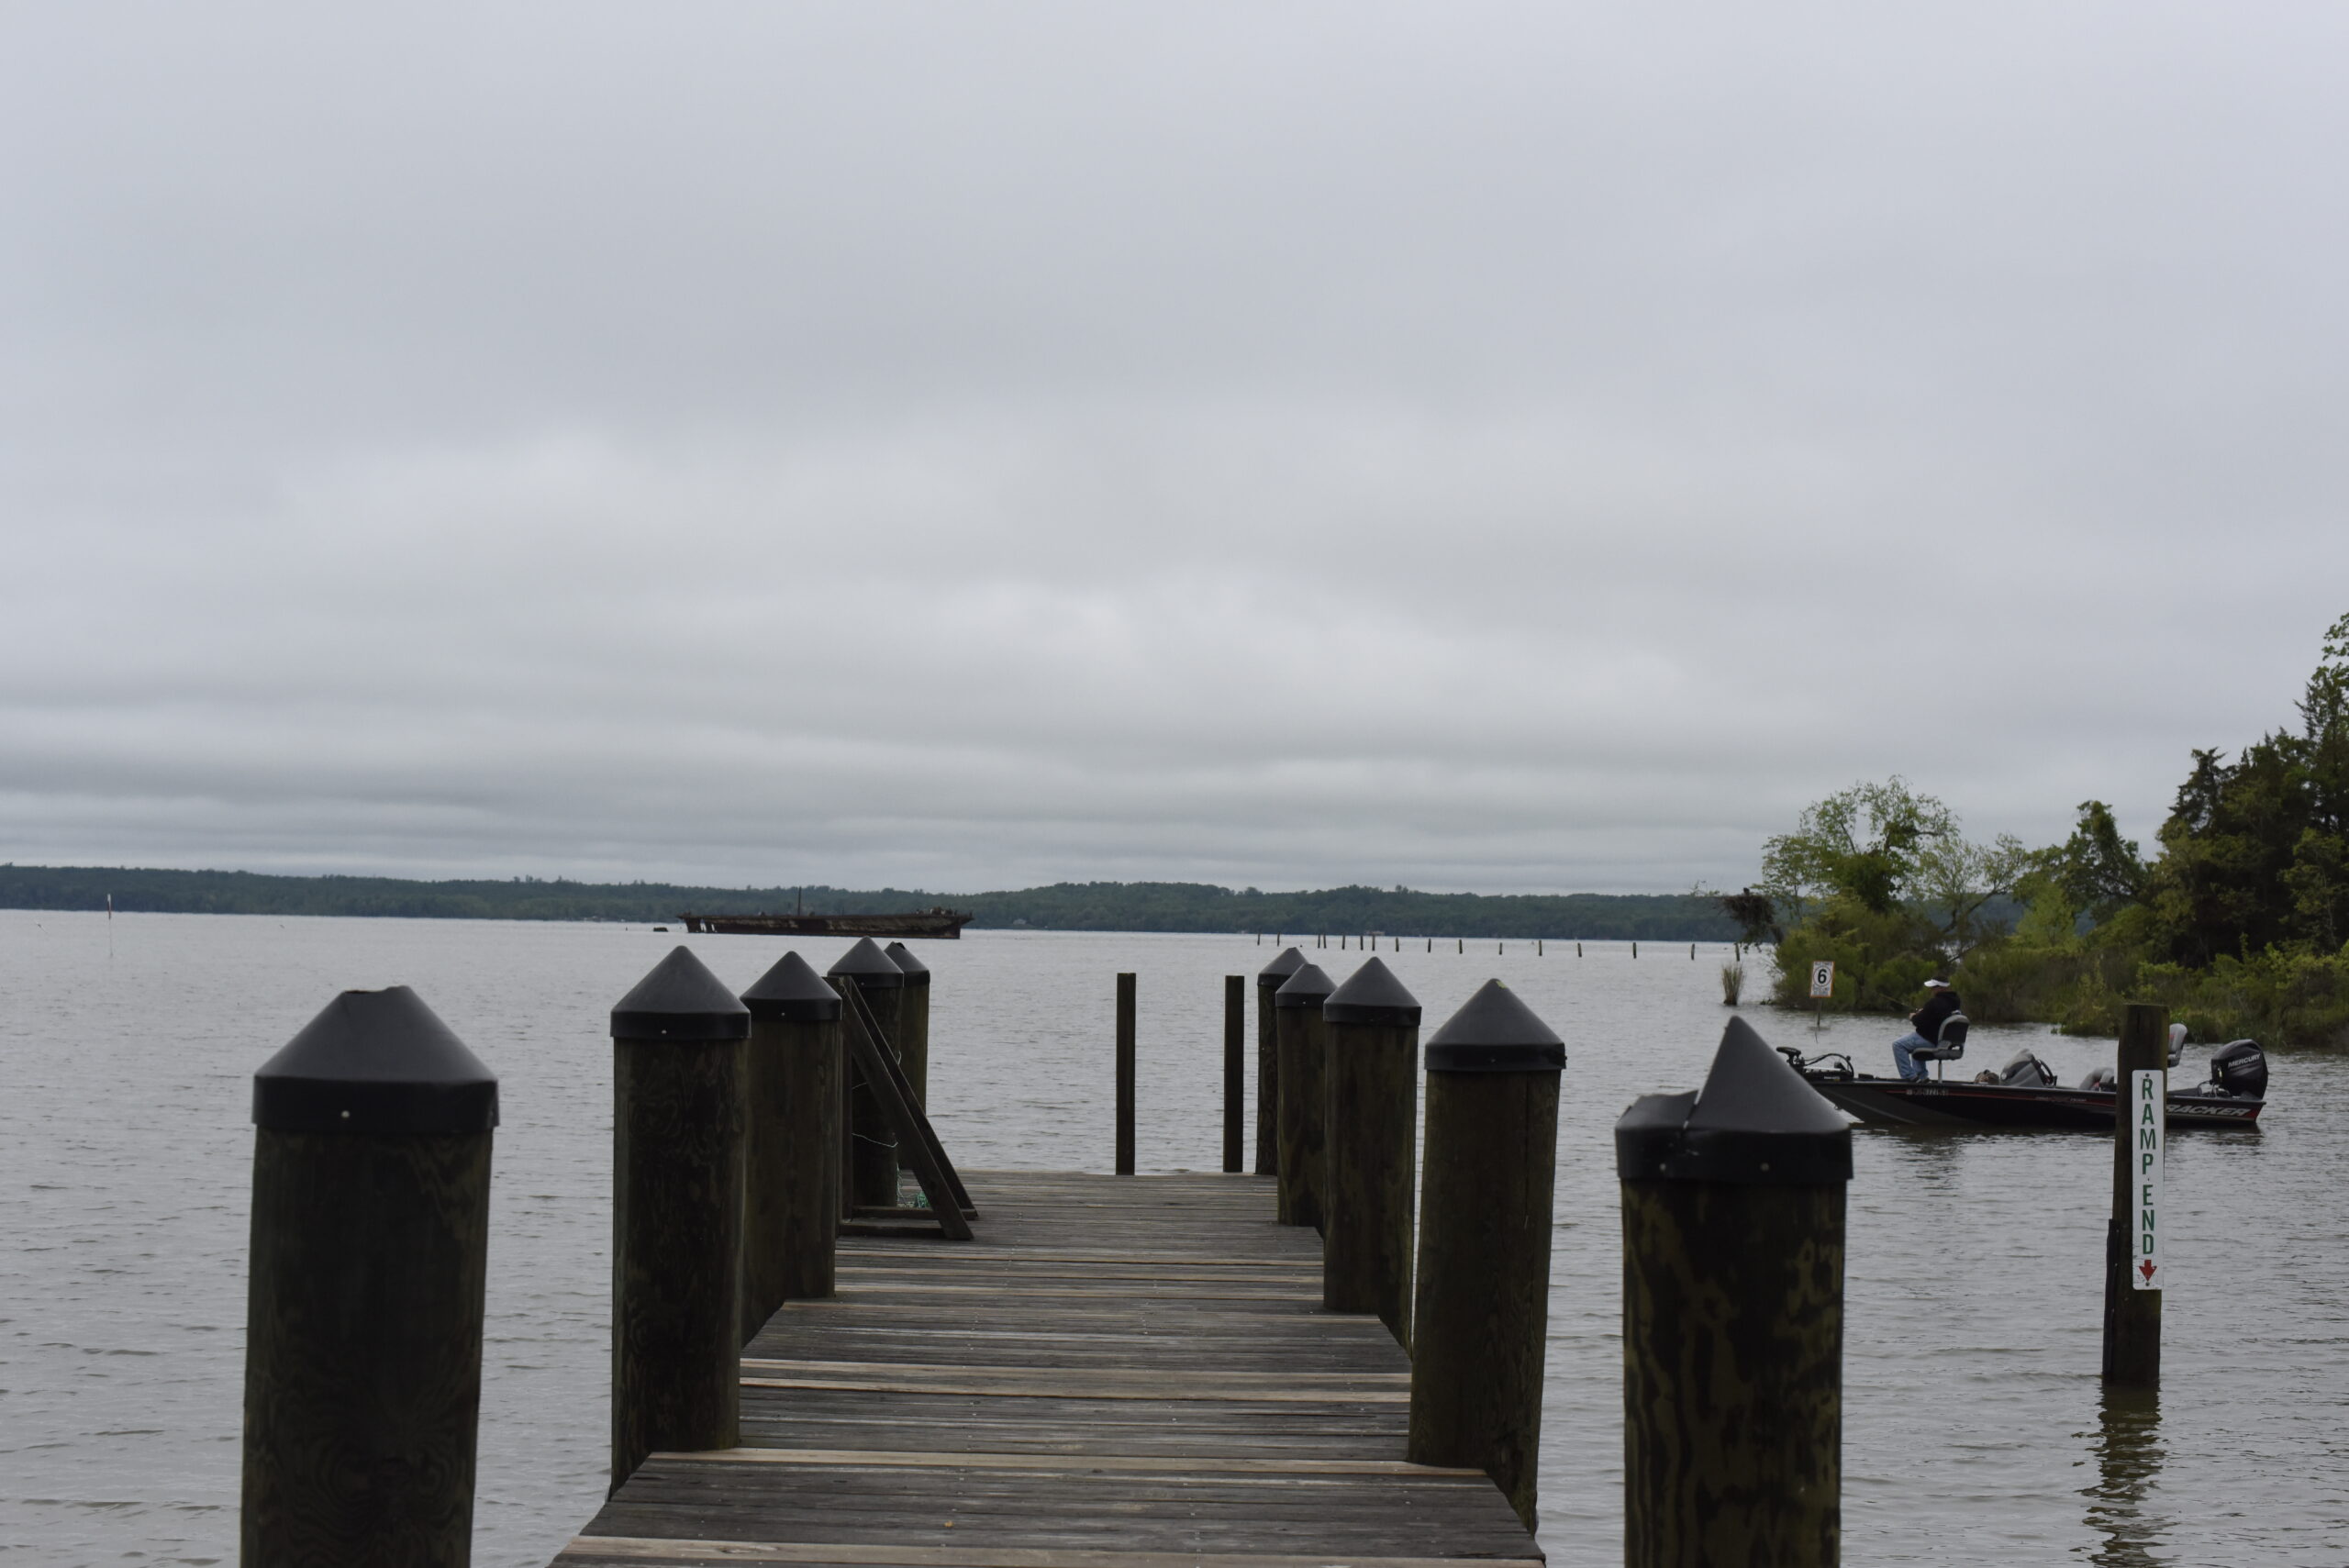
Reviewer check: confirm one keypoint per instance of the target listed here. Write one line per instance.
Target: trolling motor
(1830, 1063)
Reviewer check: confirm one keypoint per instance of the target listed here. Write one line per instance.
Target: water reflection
(2129, 1453)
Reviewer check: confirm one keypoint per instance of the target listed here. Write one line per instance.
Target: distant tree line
(1064, 907)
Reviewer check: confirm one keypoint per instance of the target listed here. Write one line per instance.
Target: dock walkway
(1125, 1372)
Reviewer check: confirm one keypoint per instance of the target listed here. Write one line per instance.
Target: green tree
(2097, 869)
(1956, 877)
(1864, 843)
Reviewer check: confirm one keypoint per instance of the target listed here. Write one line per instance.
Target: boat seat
(1949, 1043)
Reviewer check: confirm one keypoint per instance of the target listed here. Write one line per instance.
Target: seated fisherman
(1940, 1003)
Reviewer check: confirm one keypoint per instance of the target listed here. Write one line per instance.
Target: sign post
(1822, 989)
(2134, 1271)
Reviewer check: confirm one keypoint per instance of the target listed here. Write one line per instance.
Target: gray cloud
(1480, 446)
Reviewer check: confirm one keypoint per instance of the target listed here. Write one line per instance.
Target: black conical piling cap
(1495, 1032)
(1290, 962)
(1372, 996)
(793, 990)
(375, 1062)
(867, 965)
(916, 971)
(1308, 987)
(680, 999)
(1754, 1123)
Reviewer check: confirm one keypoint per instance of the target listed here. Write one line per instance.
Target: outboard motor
(2027, 1072)
(2240, 1068)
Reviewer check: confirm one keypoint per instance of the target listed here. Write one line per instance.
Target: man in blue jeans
(1940, 1003)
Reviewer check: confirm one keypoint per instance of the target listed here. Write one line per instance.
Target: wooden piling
(913, 1019)
(871, 1149)
(365, 1290)
(1268, 1057)
(1125, 1075)
(1235, 1067)
(2133, 1316)
(791, 1198)
(1371, 1030)
(1733, 1209)
(679, 1041)
(1296, 1014)
(1481, 1312)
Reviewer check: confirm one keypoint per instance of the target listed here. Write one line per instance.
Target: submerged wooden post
(870, 1151)
(1296, 1018)
(2133, 1290)
(1269, 979)
(1483, 1304)
(913, 1019)
(791, 1196)
(1125, 1075)
(1370, 1027)
(1235, 1066)
(363, 1308)
(1734, 1317)
(678, 1049)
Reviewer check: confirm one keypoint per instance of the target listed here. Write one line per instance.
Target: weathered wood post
(363, 1304)
(1734, 1317)
(1371, 1030)
(1235, 1066)
(1125, 1075)
(1296, 1018)
(913, 1019)
(871, 1147)
(791, 1197)
(2132, 1278)
(1483, 1304)
(1269, 979)
(679, 1041)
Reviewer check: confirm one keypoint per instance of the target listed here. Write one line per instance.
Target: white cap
(1936, 984)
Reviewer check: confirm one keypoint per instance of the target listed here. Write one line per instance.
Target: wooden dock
(1120, 1372)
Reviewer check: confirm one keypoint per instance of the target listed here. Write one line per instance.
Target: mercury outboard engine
(2026, 1070)
(2240, 1068)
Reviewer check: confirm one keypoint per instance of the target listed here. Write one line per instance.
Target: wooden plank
(1106, 1376)
(616, 1549)
(885, 1458)
(1080, 1386)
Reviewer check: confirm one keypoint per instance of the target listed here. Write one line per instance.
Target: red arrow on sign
(2146, 1268)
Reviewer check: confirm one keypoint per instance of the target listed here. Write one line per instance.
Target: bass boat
(2025, 1095)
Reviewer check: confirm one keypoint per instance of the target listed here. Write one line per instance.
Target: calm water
(1975, 1431)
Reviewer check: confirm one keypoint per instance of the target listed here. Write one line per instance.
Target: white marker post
(1822, 990)
(2132, 1264)
(2145, 1094)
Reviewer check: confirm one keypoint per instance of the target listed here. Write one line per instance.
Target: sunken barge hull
(946, 923)
(1890, 1102)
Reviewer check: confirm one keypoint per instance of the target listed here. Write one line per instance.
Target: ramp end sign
(2147, 1129)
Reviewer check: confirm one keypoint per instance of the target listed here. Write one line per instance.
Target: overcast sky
(1519, 448)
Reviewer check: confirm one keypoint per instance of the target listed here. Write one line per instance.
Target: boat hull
(937, 923)
(1891, 1102)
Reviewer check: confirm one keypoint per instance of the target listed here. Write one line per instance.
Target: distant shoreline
(1199, 907)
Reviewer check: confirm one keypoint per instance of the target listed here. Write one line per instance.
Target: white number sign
(2146, 1113)
(1822, 980)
